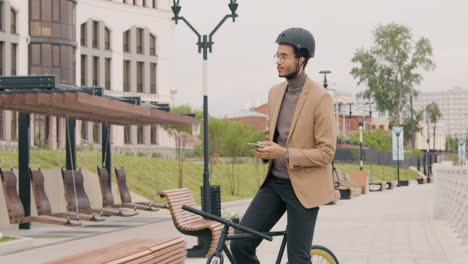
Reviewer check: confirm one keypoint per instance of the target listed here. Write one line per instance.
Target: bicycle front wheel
(322, 255)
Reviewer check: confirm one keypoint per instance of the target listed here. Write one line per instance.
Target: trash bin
(215, 194)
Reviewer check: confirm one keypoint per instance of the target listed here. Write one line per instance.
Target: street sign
(398, 143)
(461, 151)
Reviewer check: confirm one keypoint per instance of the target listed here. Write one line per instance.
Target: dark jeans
(274, 198)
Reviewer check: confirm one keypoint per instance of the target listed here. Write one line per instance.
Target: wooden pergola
(41, 95)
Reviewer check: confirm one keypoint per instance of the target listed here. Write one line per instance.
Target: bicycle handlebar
(227, 222)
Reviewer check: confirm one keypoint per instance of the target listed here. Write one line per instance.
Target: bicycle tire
(321, 253)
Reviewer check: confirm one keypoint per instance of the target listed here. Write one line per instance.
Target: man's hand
(270, 151)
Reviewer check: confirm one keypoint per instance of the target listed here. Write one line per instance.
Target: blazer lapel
(300, 104)
(277, 101)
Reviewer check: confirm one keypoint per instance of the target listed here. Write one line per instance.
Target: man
(300, 141)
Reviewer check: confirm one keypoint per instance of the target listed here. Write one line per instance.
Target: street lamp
(361, 127)
(205, 45)
(325, 72)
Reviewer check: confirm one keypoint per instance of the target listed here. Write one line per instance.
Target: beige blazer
(311, 142)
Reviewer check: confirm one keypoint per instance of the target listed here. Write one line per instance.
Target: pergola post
(106, 149)
(70, 145)
(24, 184)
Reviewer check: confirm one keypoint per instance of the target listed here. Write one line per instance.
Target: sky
(241, 69)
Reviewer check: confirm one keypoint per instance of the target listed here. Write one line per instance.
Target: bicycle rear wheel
(322, 255)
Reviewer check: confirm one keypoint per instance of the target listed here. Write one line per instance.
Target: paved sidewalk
(378, 228)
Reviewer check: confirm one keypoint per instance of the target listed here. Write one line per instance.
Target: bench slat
(188, 221)
(131, 251)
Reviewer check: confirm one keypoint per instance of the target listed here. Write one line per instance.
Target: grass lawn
(5, 239)
(146, 176)
(378, 172)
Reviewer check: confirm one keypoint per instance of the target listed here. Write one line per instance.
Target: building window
(108, 74)
(140, 40)
(1, 57)
(155, 3)
(126, 41)
(1, 16)
(13, 58)
(96, 130)
(107, 38)
(126, 76)
(13, 21)
(140, 135)
(84, 34)
(127, 135)
(41, 125)
(152, 45)
(154, 135)
(56, 60)
(153, 89)
(84, 130)
(140, 76)
(95, 71)
(52, 18)
(14, 128)
(95, 34)
(84, 67)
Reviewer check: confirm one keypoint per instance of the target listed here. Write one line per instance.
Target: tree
(433, 112)
(234, 147)
(391, 68)
(408, 122)
(183, 137)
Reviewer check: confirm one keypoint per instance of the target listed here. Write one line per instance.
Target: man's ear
(301, 61)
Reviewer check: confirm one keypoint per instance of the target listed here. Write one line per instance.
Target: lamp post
(205, 46)
(361, 128)
(325, 72)
(360, 146)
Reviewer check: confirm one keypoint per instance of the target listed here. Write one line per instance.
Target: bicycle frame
(225, 236)
(218, 256)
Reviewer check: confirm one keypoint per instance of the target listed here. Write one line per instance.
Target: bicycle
(320, 254)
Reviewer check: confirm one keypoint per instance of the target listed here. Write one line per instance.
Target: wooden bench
(391, 185)
(15, 206)
(157, 251)
(207, 231)
(381, 186)
(341, 180)
(75, 194)
(125, 196)
(361, 179)
(43, 204)
(108, 197)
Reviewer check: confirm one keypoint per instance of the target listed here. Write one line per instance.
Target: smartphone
(255, 145)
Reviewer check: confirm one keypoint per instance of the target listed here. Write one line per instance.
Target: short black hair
(302, 53)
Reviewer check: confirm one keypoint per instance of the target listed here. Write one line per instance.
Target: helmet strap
(294, 74)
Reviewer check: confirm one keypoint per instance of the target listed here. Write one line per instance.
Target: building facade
(454, 107)
(123, 46)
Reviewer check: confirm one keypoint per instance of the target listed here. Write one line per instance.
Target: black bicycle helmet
(299, 38)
